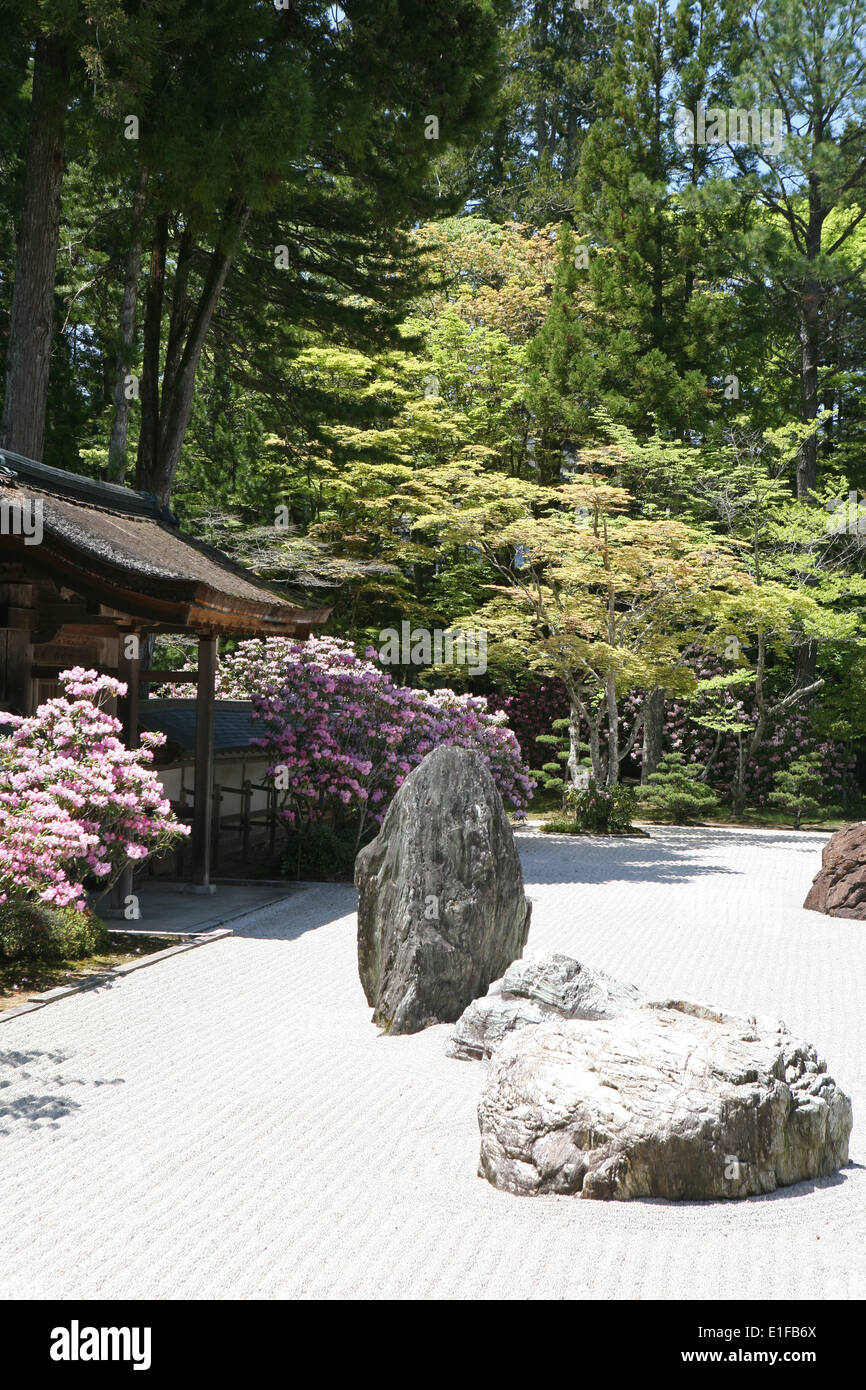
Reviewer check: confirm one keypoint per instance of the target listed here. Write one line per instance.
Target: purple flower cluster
(531, 711)
(341, 736)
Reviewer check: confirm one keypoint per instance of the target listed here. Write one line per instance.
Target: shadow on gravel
(33, 1092)
(668, 856)
(593, 859)
(314, 905)
(781, 1194)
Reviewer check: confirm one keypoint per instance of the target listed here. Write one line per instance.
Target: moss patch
(24, 977)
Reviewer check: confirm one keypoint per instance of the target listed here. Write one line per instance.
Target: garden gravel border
(38, 1001)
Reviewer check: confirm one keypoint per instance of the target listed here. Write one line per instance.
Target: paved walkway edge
(50, 996)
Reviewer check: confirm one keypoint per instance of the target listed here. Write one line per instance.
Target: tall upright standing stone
(441, 909)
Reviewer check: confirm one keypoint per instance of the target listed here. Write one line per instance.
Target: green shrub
(675, 792)
(42, 932)
(594, 810)
(801, 791)
(323, 853)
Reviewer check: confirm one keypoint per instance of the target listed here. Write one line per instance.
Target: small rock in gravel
(534, 991)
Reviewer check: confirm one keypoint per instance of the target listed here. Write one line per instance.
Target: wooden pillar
(16, 662)
(128, 668)
(204, 763)
(16, 648)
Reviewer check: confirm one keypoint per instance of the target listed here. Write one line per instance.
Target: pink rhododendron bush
(341, 736)
(76, 804)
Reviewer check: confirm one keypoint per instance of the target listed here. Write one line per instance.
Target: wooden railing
(246, 822)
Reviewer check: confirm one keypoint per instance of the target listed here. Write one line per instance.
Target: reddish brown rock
(839, 888)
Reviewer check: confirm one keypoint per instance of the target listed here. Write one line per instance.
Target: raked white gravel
(229, 1123)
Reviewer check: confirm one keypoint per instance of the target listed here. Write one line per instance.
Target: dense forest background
(439, 310)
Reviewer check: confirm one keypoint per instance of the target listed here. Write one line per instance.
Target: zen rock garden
(588, 1087)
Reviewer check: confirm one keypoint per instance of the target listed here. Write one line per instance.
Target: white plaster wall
(229, 772)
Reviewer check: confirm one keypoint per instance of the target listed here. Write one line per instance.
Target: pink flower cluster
(341, 736)
(75, 802)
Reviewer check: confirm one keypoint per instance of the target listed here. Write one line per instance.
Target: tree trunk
(159, 454)
(811, 305)
(653, 730)
(708, 765)
(573, 744)
(738, 798)
(807, 456)
(149, 431)
(29, 355)
(612, 731)
(805, 665)
(594, 722)
(128, 304)
(541, 23)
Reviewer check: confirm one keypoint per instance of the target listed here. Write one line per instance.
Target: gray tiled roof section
(234, 726)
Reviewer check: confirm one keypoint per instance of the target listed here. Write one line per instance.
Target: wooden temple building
(84, 567)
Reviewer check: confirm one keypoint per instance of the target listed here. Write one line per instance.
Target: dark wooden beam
(51, 673)
(204, 761)
(169, 677)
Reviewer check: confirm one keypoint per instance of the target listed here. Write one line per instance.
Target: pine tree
(675, 792)
(642, 353)
(524, 165)
(800, 791)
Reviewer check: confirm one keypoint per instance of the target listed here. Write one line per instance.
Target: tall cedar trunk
(149, 430)
(179, 317)
(128, 305)
(811, 305)
(653, 730)
(30, 329)
(159, 448)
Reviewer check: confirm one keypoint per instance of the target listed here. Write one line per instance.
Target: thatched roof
(123, 549)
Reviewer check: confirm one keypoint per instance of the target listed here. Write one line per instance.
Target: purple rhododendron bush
(76, 805)
(341, 736)
(532, 709)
